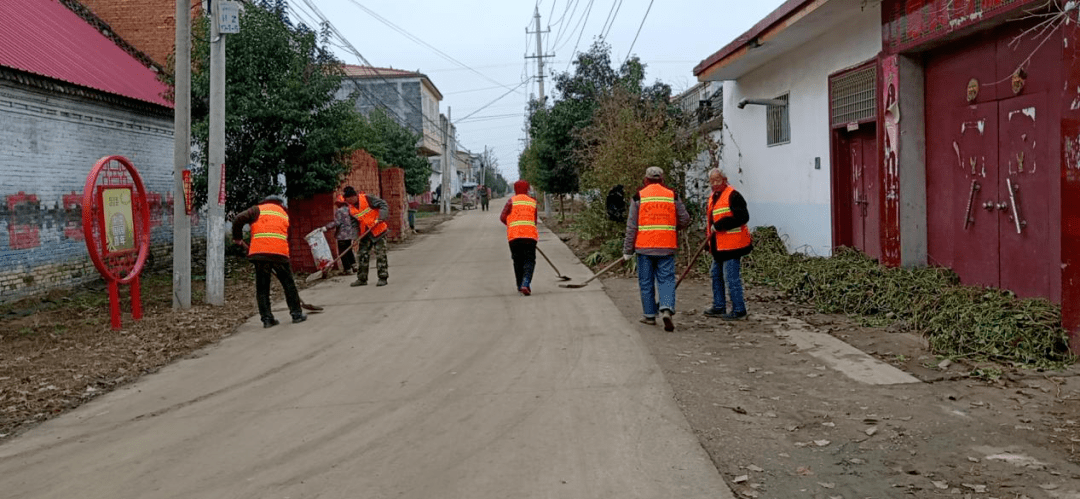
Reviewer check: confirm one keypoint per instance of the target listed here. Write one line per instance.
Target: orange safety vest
(521, 223)
(270, 232)
(367, 216)
(657, 218)
(729, 240)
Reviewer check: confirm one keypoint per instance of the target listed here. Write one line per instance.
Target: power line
(583, 26)
(638, 32)
(421, 42)
(605, 34)
(492, 102)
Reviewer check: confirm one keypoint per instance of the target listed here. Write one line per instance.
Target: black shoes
(648, 321)
(299, 318)
(669, 324)
(358, 282)
(734, 316)
(269, 323)
(382, 282)
(715, 312)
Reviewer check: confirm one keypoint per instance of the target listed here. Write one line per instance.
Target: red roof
(46, 38)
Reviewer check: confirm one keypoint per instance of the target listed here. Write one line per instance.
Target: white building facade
(780, 157)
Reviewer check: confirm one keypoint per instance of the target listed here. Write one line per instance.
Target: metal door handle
(989, 205)
(968, 219)
(1015, 209)
(1003, 206)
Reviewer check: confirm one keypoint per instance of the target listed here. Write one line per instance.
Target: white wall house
(785, 174)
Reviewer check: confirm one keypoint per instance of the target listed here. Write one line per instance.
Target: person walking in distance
(485, 193)
(269, 253)
(654, 216)
(519, 216)
(347, 228)
(729, 240)
(369, 213)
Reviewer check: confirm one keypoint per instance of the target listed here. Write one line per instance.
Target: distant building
(407, 96)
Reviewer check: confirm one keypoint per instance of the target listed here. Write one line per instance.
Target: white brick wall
(50, 141)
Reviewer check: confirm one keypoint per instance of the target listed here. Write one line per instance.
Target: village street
(447, 383)
(444, 384)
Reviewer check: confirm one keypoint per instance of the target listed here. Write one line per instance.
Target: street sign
(228, 17)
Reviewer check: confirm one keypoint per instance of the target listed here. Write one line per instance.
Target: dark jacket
(739, 216)
(247, 217)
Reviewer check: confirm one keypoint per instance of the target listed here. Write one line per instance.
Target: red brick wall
(364, 175)
(393, 191)
(148, 25)
(306, 215)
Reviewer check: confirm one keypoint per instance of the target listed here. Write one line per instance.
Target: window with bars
(777, 123)
(853, 97)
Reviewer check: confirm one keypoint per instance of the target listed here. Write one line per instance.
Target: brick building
(71, 92)
(149, 25)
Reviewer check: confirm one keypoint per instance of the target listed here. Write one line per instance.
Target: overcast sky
(489, 37)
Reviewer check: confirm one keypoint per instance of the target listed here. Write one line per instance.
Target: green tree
(281, 118)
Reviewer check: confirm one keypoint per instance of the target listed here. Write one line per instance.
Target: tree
(281, 116)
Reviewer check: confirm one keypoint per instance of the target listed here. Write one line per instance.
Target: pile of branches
(980, 324)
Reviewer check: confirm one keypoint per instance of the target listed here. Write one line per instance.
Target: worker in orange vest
(654, 217)
(519, 216)
(369, 213)
(729, 240)
(269, 253)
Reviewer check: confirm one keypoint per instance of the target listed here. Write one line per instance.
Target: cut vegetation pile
(958, 321)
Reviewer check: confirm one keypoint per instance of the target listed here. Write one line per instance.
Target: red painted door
(990, 169)
(859, 158)
(1023, 187)
(962, 193)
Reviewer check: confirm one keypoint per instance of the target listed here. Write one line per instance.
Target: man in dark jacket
(729, 240)
(269, 253)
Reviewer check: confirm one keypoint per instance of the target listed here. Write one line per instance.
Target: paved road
(445, 384)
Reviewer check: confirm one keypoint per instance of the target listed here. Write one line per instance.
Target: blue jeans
(656, 271)
(727, 272)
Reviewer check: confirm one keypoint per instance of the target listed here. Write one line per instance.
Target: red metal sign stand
(116, 226)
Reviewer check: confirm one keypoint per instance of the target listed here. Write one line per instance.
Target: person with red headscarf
(519, 216)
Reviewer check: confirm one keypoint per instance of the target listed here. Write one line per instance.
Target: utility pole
(215, 220)
(539, 53)
(540, 78)
(447, 166)
(181, 158)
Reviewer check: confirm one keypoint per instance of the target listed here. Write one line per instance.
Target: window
(852, 98)
(777, 123)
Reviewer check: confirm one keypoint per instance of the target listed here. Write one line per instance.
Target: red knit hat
(521, 187)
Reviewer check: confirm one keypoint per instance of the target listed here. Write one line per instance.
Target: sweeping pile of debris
(979, 324)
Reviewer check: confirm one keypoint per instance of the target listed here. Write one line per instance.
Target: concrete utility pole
(447, 166)
(181, 158)
(540, 78)
(215, 220)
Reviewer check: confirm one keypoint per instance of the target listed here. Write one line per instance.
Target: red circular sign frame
(122, 261)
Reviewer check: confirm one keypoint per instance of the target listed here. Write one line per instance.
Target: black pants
(523, 252)
(263, 270)
(348, 259)
(483, 204)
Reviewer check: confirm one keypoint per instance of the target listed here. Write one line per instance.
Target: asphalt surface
(445, 384)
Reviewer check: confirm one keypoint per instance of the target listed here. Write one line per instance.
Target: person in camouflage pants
(382, 265)
(370, 241)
